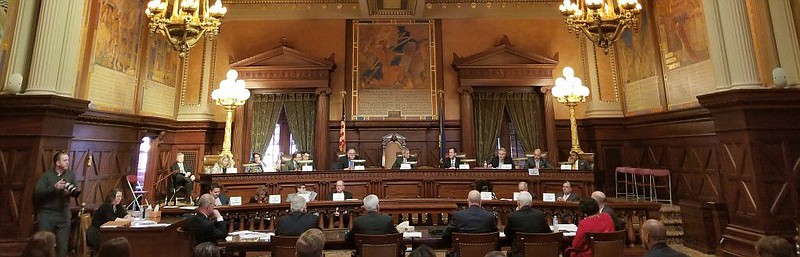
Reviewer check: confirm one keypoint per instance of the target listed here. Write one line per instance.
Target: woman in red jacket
(595, 222)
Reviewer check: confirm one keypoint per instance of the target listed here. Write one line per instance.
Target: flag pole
(342, 125)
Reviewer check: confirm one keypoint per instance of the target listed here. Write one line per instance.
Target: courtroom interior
(257, 121)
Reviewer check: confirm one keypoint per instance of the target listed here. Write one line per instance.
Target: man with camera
(51, 196)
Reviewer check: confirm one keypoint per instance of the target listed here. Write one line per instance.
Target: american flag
(342, 126)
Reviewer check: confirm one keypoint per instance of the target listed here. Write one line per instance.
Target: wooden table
(154, 241)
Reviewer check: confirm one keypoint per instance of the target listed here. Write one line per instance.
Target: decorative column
(321, 128)
(738, 44)
(54, 64)
(759, 173)
(467, 122)
(716, 46)
(785, 32)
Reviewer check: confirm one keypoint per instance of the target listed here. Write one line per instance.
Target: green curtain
(525, 111)
(487, 108)
(300, 113)
(266, 111)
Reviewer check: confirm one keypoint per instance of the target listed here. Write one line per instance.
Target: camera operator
(51, 196)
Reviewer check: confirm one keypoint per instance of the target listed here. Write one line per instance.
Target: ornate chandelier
(185, 21)
(602, 21)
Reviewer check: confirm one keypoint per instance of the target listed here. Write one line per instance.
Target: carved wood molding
(284, 67)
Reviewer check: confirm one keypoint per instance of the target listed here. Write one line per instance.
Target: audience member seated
(537, 161)
(525, 219)
(110, 210)
(474, 219)
(451, 161)
(495, 254)
(773, 246)
(423, 251)
(207, 225)
(220, 199)
(41, 244)
(260, 196)
(294, 163)
(206, 249)
(595, 222)
(301, 190)
(346, 162)
(183, 175)
(576, 162)
(501, 158)
(310, 244)
(222, 165)
(372, 223)
(600, 197)
(566, 194)
(259, 164)
(654, 238)
(116, 247)
(404, 159)
(297, 221)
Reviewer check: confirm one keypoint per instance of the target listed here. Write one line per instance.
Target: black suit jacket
(399, 160)
(496, 161)
(583, 165)
(618, 225)
(373, 223)
(573, 197)
(343, 162)
(347, 195)
(295, 223)
(471, 220)
(662, 250)
(446, 163)
(205, 230)
(543, 163)
(178, 176)
(526, 220)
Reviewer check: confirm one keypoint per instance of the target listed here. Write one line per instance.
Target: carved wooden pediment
(505, 65)
(284, 67)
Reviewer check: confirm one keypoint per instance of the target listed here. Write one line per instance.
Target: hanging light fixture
(602, 21)
(184, 22)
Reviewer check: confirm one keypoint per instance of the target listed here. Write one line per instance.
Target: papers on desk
(147, 224)
(170, 207)
(502, 234)
(412, 234)
(568, 229)
(249, 236)
(192, 208)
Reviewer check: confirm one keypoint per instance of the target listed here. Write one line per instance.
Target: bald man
(654, 238)
(474, 219)
(602, 202)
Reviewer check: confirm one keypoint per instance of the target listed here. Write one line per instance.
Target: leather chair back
(474, 244)
(607, 244)
(379, 245)
(284, 246)
(539, 244)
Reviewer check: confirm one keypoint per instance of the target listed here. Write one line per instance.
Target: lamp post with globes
(569, 90)
(231, 93)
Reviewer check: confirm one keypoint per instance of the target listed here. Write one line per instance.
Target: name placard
(274, 198)
(506, 166)
(486, 196)
(549, 197)
(231, 170)
(463, 166)
(516, 195)
(236, 200)
(358, 167)
(405, 166)
(533, 172)
(308, 168)
(338, 196)
(566, 166)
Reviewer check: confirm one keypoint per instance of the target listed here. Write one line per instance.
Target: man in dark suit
(502, 155)
(525, 219)
(220, 199)
(537, 161)
(404, 159)
(654, 238)
(297, 221)
(294, 164)
(451, 161)
(207, 225)
(566, 194)
(346, 162)
(576, 162)
(340, 189)
(474, 219)
(183, 175)
(373, 223)
(601, 200)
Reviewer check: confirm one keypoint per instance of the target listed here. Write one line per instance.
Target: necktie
(452, 162)
(350, 164)
(537, 164)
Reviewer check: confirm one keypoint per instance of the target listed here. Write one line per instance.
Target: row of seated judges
(208, 225)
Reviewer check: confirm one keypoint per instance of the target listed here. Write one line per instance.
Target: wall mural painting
(395, 72)
(117, 36)
(162, 61)
(637, 52)
(7, 17)
(682, 32)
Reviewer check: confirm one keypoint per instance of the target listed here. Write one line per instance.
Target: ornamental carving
(285, 75)
(519, 73)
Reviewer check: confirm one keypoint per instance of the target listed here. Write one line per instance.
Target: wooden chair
(607, 244)
(284, 246)
(474, 245)
(186, 242)
(538, 244)
(379, 245)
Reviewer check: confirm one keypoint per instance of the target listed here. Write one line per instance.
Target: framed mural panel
(682, 30)
(8, 17)
(396, 69)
